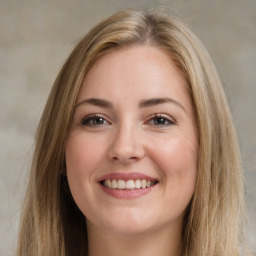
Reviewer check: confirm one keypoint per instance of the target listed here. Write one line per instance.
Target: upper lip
(126, 176)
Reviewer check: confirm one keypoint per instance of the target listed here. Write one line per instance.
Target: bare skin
(158, 243)
(133, 122)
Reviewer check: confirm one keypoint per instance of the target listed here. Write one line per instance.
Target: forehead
(133, 73)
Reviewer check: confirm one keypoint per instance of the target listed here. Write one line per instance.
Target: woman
(136, 152)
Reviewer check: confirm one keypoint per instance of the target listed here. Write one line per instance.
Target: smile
(128, 184)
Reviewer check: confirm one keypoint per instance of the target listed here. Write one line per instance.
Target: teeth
(143, 183)
(129, 184)
(137, 184)
(108, 183)
(121, 184)
(114, 184)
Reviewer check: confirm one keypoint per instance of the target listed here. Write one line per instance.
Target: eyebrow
(96, 102)
(142, 104)
(157, 101)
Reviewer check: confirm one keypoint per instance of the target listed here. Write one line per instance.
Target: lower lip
(127, 193)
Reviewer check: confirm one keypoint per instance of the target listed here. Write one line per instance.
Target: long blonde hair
(52, 224)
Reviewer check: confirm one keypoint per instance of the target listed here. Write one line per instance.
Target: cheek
(177, 160)
(83, 157)
(179, 165)
(83, 154)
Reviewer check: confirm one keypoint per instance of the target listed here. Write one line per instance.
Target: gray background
(37, 36)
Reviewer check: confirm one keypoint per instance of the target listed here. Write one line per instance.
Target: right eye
(94, 120)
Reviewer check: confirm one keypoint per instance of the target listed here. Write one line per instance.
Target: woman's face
(131, 153)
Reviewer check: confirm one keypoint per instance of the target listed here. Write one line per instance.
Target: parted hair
(51, 223)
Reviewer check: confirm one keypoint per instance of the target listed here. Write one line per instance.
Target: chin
(129, 228)
(125, 222)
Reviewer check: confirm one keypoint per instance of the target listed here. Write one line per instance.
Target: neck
(160, 242)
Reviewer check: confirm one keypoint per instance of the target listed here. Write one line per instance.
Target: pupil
(98, 121)
(160, 121)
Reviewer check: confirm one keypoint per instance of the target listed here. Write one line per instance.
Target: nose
(127, 146)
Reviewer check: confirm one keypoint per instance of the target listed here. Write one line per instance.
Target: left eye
(94, 121)
(160, 121)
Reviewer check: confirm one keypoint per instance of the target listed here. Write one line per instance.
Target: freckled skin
(128, 142)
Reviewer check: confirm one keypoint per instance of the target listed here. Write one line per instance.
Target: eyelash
(167, 121)
(86, 121)
(164, 118)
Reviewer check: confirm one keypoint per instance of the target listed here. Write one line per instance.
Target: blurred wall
(35, 38)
